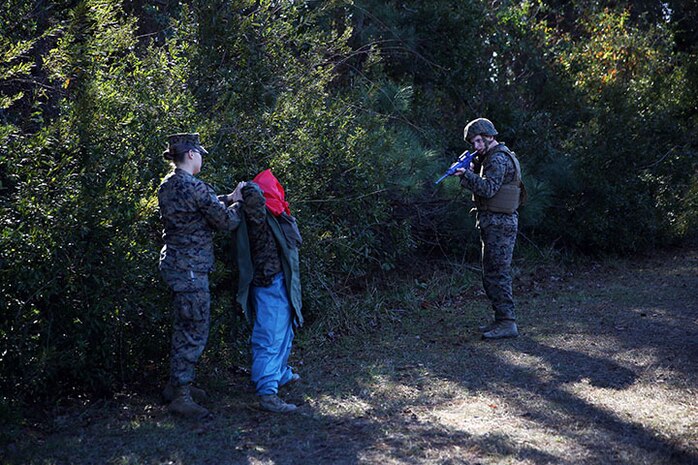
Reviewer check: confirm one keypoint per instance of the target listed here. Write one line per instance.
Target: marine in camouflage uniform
(496, 189)
(190, 211)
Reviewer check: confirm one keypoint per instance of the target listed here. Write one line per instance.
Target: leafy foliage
(356, 106)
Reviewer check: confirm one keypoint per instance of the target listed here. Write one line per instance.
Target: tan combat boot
(184, 405)
(503, 329)
(272, 403)
(198, 394)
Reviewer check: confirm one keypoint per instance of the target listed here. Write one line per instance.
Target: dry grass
(604, 373)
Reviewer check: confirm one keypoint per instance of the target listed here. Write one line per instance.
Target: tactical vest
(509, 196)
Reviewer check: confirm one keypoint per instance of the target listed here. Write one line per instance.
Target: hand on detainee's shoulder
(254, 203)
(235, 196)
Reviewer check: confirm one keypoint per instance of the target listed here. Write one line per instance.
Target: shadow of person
(542, 383)
(568, 366)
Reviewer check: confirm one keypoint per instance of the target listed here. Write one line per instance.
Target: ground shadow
(385, 386)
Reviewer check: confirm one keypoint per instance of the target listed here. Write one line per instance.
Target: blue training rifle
(463, 162)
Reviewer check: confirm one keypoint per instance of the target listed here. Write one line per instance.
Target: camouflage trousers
(498, 242)
(190, 322)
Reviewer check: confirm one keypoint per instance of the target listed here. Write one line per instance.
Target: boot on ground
(184, 405)
(503, 329)
(198, 394)
(488, 327)
(273, 403)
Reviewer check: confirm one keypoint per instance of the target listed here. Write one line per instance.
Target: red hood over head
(273, 192)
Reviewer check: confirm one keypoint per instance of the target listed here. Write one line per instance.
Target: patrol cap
(477, 127)
(185, 141)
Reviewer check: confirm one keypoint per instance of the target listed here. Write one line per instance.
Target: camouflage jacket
(497, 169)
(266, 257)
(190, 212)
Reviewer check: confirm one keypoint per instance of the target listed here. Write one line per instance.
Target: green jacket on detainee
(290, 263)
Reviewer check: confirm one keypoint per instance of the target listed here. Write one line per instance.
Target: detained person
(269, 289)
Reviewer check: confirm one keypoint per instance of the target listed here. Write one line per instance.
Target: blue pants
(272, 336)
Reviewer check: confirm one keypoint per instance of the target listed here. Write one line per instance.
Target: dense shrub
(356, 106)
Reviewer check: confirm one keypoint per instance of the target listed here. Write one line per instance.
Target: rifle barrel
(441, 178)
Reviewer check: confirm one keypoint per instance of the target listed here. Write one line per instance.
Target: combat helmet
(479, 126)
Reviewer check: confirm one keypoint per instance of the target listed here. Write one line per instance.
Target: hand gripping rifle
(463, 162)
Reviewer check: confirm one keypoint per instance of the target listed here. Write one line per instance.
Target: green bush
(357, 107)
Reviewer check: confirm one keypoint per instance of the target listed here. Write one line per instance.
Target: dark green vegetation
(603, 373)
(357, 107)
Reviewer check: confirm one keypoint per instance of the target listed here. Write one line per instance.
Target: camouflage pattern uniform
(497, 231)
(266, 256)
(190, 212)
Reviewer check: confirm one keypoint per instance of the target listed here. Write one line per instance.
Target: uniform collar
(182, 172)
(496, 148)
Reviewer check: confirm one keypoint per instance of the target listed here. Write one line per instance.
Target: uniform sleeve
(254, 205)
(492, 177)
(217, 215)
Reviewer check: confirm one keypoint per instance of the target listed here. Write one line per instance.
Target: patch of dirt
(605, 371)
